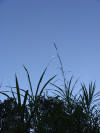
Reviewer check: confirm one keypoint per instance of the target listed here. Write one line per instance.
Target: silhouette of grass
(67, 112)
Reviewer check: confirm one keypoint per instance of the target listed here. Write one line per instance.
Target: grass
(66, 112)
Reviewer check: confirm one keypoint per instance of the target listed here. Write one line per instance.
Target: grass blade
(41, 78)
(47, 84)
(25, 98)
(29, 80)
(5, 94)
(61, 90)
(18, 91)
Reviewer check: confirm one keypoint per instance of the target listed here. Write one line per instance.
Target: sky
(28, 30)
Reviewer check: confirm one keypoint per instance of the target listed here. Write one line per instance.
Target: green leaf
(13, 94)
(60, 90)
(18, 91)
(47, 84)
(41, 78)
(4, 94)
(25, 98)
(29, 80)
(24, 105)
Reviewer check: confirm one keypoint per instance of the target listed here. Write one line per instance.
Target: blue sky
(28, 29)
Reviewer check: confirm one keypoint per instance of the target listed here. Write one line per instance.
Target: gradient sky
(28, 29)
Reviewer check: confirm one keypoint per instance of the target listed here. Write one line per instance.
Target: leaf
(29, 80)
(5, 94)
(59, 89)
(41, 78)
(24, 105)
(59, 93)
(13, 94)
(18, 91)
(25, 98)
(47, 84)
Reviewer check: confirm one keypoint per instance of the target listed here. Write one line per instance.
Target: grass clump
(38, 113)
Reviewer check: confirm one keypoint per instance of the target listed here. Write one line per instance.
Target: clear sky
(28, 29)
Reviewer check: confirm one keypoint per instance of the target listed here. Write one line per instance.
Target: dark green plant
(30, 111)
(10, 117)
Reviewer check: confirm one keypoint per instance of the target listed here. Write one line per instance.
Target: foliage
(10, 117)
(38, 113)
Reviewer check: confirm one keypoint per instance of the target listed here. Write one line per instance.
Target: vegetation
(65, 112)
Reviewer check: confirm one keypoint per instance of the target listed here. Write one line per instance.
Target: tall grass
(79, 112)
